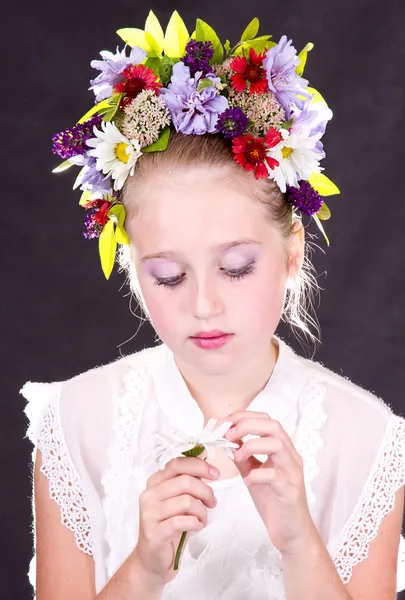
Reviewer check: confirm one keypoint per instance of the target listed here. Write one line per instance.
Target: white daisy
(297, 157)
(116, 155)
(175, 442)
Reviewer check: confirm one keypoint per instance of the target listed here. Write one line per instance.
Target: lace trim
(308, 440)
(377, 500)
(116, 479)
(64, 484)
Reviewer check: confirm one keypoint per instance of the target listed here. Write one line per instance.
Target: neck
(220, 396)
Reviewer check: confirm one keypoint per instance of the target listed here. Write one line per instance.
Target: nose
(206, 300)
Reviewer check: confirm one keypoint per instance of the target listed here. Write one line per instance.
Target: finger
(178, 524)
(190, 465)
(180, 505)
(236, 416)
(272, 447)
(251, 426)
(184, 484)
(271, 477)
(263, 425)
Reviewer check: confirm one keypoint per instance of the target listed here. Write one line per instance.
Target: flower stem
(196, 451)
(179, 549)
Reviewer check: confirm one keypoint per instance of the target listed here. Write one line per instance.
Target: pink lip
(209, 334)
(212, 343)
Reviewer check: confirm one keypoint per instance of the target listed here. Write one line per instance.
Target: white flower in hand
(176, 443)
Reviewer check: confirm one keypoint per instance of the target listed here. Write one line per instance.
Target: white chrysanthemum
(296, 156)
(175, 442)
(116, 155)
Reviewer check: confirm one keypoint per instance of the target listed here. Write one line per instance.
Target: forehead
(198, 208)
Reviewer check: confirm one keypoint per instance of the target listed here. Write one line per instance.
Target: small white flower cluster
(144, 118)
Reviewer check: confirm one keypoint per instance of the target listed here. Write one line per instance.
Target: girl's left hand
(276, 486)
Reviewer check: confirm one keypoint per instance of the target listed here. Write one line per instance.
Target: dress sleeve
(377, 499)
(65, 488)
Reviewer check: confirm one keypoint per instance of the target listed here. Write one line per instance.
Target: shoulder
(89, 392)
(356, 423)
(343, 392)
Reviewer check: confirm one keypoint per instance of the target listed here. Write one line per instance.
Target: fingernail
(214, 472)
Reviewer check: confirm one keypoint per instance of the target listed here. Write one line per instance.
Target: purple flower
(313, 118)
(111, 68)
(280, 63)
(94, 180)
(232, 122)
(305, 198)
(96, 217)
(92, 228)
(70, 142)
(193, 111)
(198, 55)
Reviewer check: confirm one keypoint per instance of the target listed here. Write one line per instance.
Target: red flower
(249, 70)
(100, 216)
(251, 152)
(136, 79)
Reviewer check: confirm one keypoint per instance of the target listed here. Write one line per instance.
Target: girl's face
(206, 258)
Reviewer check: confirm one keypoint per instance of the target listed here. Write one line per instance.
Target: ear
(296, 248)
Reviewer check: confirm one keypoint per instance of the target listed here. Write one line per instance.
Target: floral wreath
(252, 94)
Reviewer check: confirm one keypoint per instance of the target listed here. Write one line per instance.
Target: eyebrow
(217, 248)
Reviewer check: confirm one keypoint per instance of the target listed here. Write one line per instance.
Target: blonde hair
(214, 150)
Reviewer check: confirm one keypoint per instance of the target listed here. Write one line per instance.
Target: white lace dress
(94, 434)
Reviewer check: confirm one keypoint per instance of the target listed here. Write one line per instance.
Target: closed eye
(233, 275)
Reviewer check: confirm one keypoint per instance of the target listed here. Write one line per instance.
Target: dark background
(59, 316)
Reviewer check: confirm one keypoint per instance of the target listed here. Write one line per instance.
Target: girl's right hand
(172, 502)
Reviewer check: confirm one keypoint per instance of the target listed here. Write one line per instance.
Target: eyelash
(234, 275)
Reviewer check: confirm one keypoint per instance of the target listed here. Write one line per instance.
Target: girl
(301, 492)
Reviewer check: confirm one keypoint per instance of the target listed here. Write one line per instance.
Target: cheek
(162, 308)
(262, 301)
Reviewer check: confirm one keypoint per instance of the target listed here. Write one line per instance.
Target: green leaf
(303, 58)
(323, 185)
(78, 179)
(62, 167)
(166, 68)
(227, 46)
(115, 101)
(115, 98)
(109, 115)
(323, 213)
(118, 211)
(107, 248)
(287, 124)
(134, 37)
(155, 49)
(316, 96)
(258, 45)
(153, 27)
(121, 236)
(317, 221)
(176, 37)
(204, 83)
(85, 197)
(205, 33)
(196, 451)
(154, 64)
(101, 105)
(161, 143)
(251, 30)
